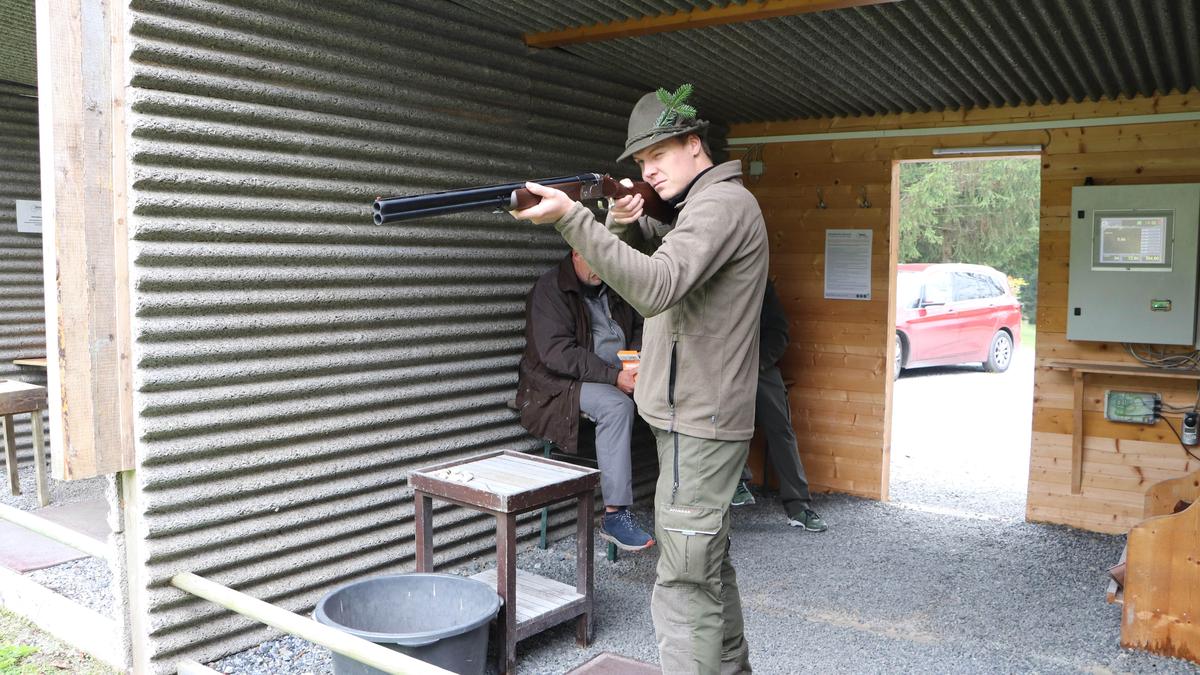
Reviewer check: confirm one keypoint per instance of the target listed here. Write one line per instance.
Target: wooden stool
(505, 484)
(17, 398)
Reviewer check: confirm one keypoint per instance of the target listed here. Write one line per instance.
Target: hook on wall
(863, 202)
(820, 199)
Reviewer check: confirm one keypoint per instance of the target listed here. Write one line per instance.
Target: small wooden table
(17, 398)
(505, 484)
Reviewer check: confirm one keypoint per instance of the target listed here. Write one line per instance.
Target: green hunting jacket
(699, 283)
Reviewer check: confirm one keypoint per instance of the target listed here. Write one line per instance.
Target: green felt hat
(661, 115)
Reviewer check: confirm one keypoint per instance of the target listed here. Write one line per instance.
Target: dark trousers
(774, 418)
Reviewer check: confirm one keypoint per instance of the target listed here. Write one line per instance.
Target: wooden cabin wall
(840, 349)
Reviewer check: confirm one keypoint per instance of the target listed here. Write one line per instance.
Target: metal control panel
(1133, 264)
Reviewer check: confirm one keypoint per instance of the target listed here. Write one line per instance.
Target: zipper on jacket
(674, 433)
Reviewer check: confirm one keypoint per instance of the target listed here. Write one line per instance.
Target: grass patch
(1028, 335)
(11, 657)
(27, 650)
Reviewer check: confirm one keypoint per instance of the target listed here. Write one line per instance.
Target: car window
(1000, 285)
(937, 289)
(973, 286)
(908, 289)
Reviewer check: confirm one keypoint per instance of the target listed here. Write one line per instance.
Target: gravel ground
(87, 580)
(61, 491)
(886, 589)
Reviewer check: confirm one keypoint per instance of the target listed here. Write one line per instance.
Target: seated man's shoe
(809, 520)
(620, 528)
(742, 496)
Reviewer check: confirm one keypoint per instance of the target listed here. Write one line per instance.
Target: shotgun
(514, 197)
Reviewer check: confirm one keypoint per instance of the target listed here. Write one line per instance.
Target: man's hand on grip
(627, 209)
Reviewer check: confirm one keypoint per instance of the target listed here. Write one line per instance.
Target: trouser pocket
(690, 552)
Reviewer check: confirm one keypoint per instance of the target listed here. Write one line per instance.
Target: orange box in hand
(630, 358)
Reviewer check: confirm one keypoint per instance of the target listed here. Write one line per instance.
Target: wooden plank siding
(838, 356)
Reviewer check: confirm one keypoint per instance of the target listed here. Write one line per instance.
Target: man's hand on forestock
(554, 205)
(626, 380)
(626, 209)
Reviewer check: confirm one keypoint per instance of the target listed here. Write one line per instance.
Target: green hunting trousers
(696, 608)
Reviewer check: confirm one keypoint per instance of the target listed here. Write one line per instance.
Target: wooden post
(506, 586)
(80, 57)
(39, 458)
(583, 565)
(10, 455)
(1077, 435)
(423, 517)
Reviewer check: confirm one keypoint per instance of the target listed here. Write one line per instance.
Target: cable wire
(1159, 358)
(1172, 428)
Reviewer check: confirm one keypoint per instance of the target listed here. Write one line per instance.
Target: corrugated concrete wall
(293, 360)
(18, 58)
(22, 305)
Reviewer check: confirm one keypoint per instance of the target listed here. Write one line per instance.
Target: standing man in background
(773, 417)
(699, 282)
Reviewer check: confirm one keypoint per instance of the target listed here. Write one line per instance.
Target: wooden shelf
(1078, 370)
(540, 601)
(1109, 368)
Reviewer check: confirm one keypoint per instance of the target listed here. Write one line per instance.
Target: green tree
(984, 212)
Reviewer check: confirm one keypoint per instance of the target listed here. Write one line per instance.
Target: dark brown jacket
(558, 354)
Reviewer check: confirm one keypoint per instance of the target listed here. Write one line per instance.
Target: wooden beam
(85, 244)
(753, 10)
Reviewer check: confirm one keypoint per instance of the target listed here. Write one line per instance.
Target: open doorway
(966, 313)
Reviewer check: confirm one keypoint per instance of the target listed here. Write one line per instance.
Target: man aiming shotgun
(698, 277)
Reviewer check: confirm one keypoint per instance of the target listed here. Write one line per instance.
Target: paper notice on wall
(848, 264)
(29, 216)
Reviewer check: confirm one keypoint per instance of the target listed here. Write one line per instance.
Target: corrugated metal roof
(18, 53)
(22, 303)
(906, 56)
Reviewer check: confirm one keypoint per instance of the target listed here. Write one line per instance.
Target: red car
(952, 313)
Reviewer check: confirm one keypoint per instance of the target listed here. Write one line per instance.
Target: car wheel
(1000, 353)
(899, 363)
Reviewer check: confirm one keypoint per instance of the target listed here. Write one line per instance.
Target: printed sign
(848, 264)
(29, 216)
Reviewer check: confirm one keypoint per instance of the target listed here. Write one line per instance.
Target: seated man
(574, 327)
(771, 415)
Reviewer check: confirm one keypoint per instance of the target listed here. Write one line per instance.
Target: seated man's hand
(626, 380)
(554, 205)
(627, 209)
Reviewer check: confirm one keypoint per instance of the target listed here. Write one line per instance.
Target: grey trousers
(696, 606)
(773, 417)
(613, 413)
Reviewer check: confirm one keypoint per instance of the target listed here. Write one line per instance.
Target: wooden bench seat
(1160, 594)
